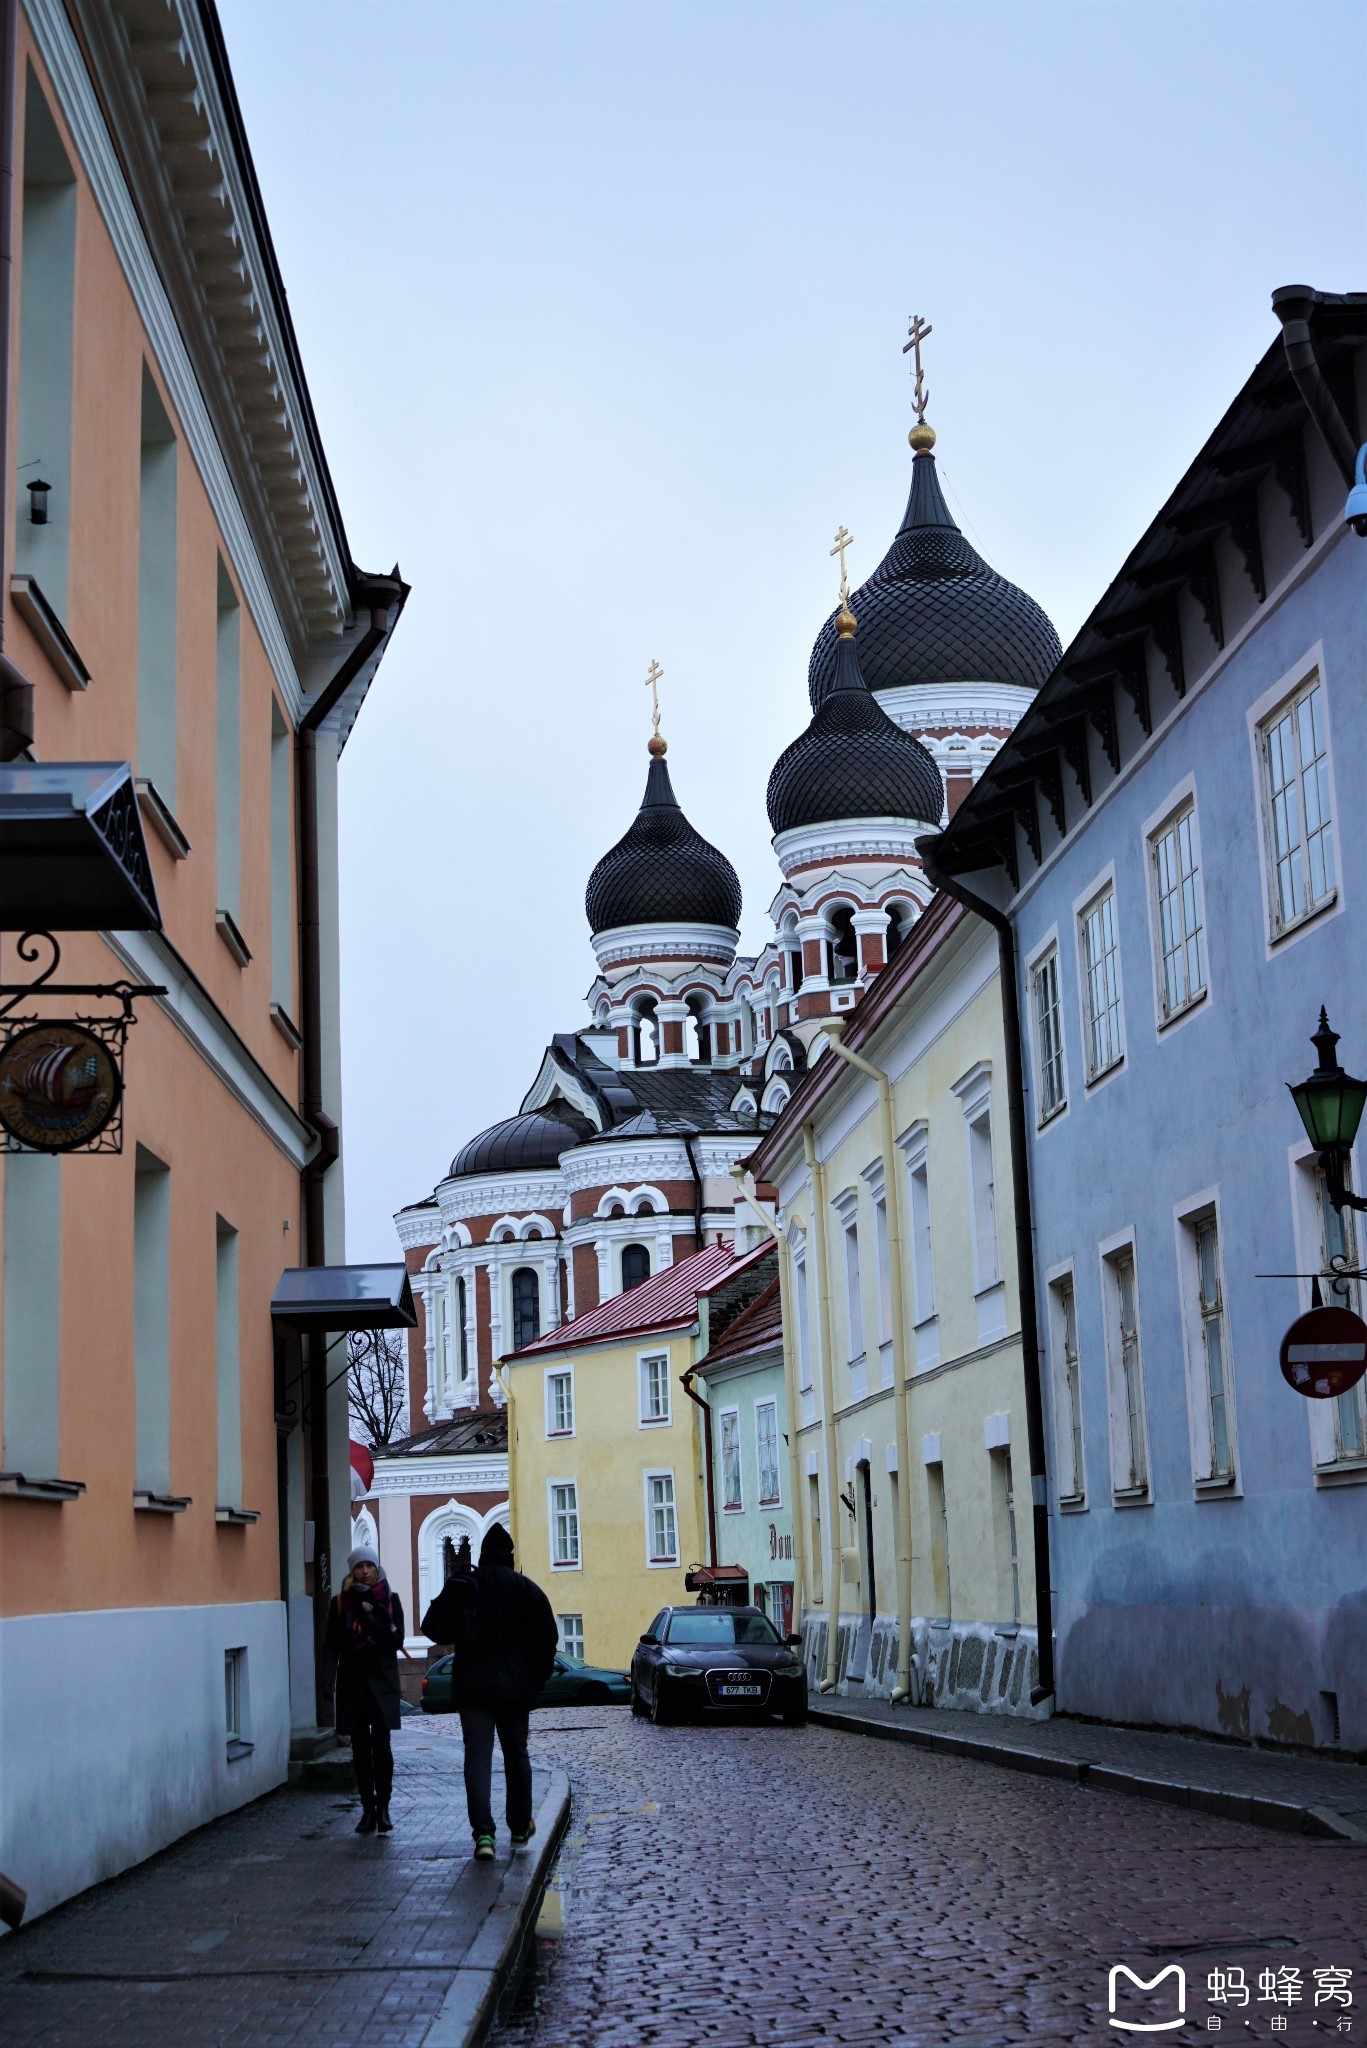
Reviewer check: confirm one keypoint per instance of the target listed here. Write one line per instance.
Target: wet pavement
(764, 1887)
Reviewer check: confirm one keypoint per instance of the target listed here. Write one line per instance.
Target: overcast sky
(602, 311)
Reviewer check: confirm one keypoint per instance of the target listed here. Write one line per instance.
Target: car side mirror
(793, 1642)
(647, 1639)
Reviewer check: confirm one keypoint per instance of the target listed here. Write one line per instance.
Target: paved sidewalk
(279, 1924)
(1299, 1794)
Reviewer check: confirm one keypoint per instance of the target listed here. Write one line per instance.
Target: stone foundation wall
(969, 1665)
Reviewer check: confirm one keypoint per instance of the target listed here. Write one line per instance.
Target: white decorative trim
(418, 1228)
(932, 707)
(150, 956)
(630, 942)
(881, 839)
(439, 1475)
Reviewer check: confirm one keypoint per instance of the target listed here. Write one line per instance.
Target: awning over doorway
(72, 849)
(345, 1298)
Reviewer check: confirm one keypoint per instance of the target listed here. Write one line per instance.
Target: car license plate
(751, 1692)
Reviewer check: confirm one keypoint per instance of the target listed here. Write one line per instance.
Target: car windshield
(716, 1625)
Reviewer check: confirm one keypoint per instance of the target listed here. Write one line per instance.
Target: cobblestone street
(779, 1887)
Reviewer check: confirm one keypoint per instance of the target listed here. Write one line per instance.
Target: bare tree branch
(375, 1386)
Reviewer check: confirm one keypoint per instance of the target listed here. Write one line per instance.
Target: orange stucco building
(170, 1498)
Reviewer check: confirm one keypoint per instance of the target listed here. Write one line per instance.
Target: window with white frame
(1099, 949)
(1175, 864)
(1213, 1357)
(766, 1453)
(880, 1238)
(1053, 1089)
(662, 1529)
(804, 1341)
(564, 1525)
(560, 1402)
(463, 1335)
(1072, 1484)
(853, 1303)
(571, 1631)
(1130, 1471)
(730, 1459)
(1338, 1240)
(922, 1247)
(983, 1191)
(1294, 748)
(654, 1377)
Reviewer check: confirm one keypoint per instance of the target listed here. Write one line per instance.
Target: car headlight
(680, 1671)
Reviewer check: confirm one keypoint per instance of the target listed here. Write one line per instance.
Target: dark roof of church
(934, 612)
(662, 871)
(852, 761)
(462, 1436)
(535, 1139)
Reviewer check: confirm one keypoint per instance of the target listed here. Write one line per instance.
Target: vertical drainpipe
(892, 1183)
(785, 1303)
(686, 1382)
(16, 691)
(928, 849)
(818, 1180)
(328, 1147)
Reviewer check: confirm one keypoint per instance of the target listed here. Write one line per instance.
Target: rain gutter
(818, 1180)
(1293, 306)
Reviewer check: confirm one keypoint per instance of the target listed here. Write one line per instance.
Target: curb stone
(1280, 1814)
(471, 2000)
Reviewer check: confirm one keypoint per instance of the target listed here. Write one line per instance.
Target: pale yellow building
(906, 1378)
(608, 1484)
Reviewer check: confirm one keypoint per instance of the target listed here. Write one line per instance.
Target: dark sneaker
(484, 1848)
(367, 1824)
(520, 1840)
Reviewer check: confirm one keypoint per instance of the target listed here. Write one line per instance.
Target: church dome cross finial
(845, 617)
(921, 435)
(655, 745)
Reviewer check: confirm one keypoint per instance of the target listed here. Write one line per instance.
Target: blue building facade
(1176, 833)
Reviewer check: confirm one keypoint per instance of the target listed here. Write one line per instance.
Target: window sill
(225, 924)
(1298, 924)
(18, 1486)
(1131, 1497)
(733, 1507)
(1343, 1472)
(1072, 1503)
(286, 1026)
(654, 1422)
(237, 1749)
(48, 630)
(236, 1518)
(775, 1502)
(1176, 1016)
(1105, 1073)
(1010, 1630)
(662, 1564)
(1052, 1116)
(161, 1503)
(1215, 1487)
(558, 1435)
(575, 1567)
(159, 816)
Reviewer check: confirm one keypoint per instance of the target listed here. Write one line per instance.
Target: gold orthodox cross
(918, 329)
(842, 541)
(652, 682)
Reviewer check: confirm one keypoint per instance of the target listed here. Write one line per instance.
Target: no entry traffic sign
(1324, 1353)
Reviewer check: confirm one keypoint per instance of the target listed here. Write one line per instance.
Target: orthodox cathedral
(617, 1161)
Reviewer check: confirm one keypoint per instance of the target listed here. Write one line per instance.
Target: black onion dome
(662, 871)
(934, 612)
(853, 761)
(521, 1143)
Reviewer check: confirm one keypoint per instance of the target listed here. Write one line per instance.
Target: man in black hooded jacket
(503, 1634)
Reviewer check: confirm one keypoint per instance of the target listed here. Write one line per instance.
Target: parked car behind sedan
(696, 1660)
(571, 1684)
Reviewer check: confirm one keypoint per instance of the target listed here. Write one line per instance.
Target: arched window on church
(844, 945)
(462, 1340)
(635, 1265)
(697, 1033)
(526, 1307)
(647, 1035)
(455, 1557)
(901, 916)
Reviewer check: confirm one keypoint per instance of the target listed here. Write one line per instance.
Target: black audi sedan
(696, 1660)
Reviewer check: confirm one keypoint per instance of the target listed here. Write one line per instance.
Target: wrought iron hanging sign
(61, 1077)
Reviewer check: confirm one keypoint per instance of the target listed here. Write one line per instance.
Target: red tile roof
(667, 1301)
(757, 1328)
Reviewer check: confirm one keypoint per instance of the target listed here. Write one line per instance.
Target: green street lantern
(1331, 1103)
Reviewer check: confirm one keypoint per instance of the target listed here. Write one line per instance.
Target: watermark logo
(1179, 1990)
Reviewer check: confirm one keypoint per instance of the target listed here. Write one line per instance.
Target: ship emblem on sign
(1324, 1353)
(59, 1086)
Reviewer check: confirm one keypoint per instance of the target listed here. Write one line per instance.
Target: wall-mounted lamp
(37, 501)
(1331, 1105)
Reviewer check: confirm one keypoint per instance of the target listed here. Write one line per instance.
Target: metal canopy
(72, 853)
(345, 1298)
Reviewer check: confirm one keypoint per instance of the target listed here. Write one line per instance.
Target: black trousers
(478, 1726)
(371, 1754)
